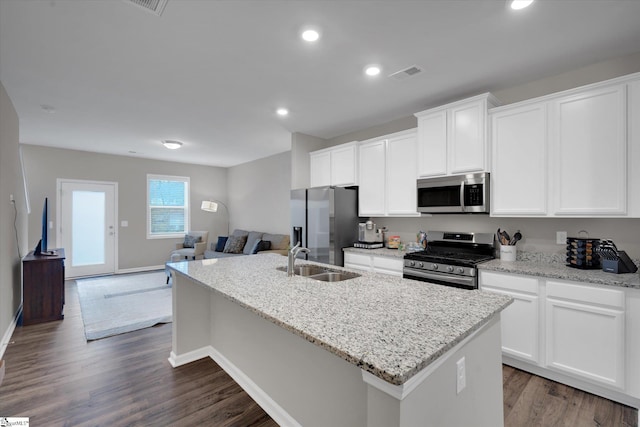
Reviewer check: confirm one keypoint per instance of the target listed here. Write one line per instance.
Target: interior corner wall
(44, 165)
(13, 224)
(259, 194)
(301, 146)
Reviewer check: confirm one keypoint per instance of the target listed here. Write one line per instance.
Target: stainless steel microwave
(454, 194)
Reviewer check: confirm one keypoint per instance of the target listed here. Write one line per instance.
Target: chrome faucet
(291, 258)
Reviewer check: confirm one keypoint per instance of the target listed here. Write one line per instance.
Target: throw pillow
(222, 240)
(235, 244)
(190, 241)
(261, 245)
(252, 238)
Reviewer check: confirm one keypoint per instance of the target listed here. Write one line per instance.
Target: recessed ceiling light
(172, 145)
(282, 112)
(48, 108)
(310, 35)
(519, 4)
(372, 70)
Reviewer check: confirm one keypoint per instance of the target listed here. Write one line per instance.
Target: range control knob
(460, 270)
(421, 264)
(450, 269)
(434, 266)
(412, 263)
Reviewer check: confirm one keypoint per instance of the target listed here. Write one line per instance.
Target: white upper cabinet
(519, 144)
(372, 159)
(452, 139)
(570, 154)
(387, 175)
(590, 152)
(335, 166)
(633, 153)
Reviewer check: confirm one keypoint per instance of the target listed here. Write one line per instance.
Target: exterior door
(87, 213)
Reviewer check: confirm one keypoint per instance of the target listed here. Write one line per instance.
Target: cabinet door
(343, 165)
(357, 261)
(372, 166)
(585, 332)
(466, 137)
(590, 153)
(320, 169)
(401, 175)
(520, 320)
(519, 149)
(432, 144)
(386, 265)
(633, 117)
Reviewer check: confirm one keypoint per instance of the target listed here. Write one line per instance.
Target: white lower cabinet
(580, 334)
(585, 332)
(520, 320)
(377, 264)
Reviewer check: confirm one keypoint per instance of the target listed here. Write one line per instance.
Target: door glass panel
(88, 233)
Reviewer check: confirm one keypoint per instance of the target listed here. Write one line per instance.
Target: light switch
(124, 223)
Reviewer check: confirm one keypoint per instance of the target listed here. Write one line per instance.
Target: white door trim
(116, 222)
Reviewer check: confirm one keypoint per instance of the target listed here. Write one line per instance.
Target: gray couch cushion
(235, 244)
(252, 238)
(278, 241)
(238, 232)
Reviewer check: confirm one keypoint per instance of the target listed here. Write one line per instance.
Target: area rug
(118, 304)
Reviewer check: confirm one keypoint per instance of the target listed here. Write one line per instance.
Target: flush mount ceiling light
(172, 145)
(372, 70)
(282, 112)
(310, 35)
(519, 4)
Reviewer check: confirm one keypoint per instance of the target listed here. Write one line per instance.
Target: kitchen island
(370, 351)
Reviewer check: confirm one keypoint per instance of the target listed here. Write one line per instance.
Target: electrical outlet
(561, 237)
(461, 376)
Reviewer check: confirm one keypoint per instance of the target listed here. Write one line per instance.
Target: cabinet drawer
(360, 260)
(509, 282)
(586, 294)
(388, 263)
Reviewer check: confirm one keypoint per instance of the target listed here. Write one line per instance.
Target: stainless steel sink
(306, 270)
(317, 272)
(335, 276)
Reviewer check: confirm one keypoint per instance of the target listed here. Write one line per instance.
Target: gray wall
(540, 233)
(259, 194)
(13, 244)
(44, 165)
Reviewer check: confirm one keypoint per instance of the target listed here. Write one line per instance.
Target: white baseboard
(139, 269)
(275, 411)
(6, 338)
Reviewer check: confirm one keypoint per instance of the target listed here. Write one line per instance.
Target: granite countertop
(388, 326)
(386, 252)
(555, 270)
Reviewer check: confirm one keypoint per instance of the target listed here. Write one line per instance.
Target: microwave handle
(462, 206)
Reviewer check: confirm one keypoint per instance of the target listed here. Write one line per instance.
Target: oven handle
(462, 197)
(461, 280)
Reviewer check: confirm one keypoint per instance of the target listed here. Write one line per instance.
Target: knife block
(619, 266)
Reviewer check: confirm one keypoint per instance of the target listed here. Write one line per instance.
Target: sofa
(243, 242)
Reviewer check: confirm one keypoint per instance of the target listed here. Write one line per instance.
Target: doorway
(87, 232)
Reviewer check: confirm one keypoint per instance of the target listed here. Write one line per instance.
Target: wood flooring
(56, 378)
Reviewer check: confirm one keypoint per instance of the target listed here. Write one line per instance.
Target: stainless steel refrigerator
(325, 220)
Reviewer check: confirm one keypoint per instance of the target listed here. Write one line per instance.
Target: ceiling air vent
(406, 73)
(154, 6)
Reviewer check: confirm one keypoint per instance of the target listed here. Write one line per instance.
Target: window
(167, 206)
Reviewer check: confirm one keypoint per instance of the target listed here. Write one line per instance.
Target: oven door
(464, 282)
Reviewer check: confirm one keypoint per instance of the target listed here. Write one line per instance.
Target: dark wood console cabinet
(42, 288)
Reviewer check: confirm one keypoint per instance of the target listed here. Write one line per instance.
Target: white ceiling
(212, 73)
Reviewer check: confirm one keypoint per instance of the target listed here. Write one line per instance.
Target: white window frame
(187, 220)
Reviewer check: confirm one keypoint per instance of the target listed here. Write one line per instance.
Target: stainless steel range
(450, 258)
